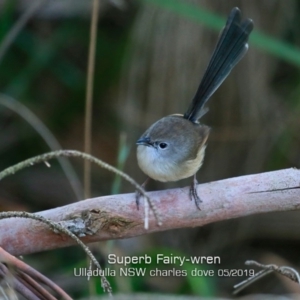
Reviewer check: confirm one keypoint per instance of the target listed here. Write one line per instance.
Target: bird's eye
(163, 145)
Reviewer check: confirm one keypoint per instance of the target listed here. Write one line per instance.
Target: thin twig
(242, 285)
(289, 272)
(45, 157)
(266, 269)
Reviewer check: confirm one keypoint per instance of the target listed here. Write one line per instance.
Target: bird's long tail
(231, 47)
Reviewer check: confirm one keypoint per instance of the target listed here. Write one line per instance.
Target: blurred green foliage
(201, 15)
(60, 59)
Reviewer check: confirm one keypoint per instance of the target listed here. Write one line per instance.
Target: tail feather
(231, 47)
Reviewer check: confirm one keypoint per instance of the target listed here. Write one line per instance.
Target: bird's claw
(193, 193)
(138, 195)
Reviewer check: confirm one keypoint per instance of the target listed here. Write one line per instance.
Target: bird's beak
(144, 141)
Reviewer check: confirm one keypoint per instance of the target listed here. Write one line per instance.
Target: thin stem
(18, 26)
(89, 98)
(47, 156)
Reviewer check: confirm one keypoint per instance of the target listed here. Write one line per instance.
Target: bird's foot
(138, 194)
(193, 193)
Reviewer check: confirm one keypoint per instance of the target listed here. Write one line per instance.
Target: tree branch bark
(116, 216)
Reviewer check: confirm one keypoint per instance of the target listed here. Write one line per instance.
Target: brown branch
(26, 280)
(57, 228)
(115, 217)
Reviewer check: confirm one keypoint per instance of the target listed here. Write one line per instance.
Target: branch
(116, 216)
(57, 228)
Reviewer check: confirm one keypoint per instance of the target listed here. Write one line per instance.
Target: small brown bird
(173, 148)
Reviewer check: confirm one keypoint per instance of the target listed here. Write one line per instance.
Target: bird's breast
(165, 169)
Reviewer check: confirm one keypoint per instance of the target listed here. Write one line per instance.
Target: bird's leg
(138, 193)
(193, 192)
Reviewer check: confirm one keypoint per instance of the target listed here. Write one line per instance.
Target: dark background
(149, 61)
